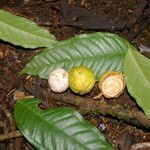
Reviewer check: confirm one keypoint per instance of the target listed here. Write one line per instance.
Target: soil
(48, 13)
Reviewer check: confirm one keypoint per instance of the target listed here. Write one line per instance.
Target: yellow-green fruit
(81, 80)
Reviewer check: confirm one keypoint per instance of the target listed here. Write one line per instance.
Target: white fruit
(58, 80)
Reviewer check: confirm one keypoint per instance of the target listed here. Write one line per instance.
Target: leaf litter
(14, 59)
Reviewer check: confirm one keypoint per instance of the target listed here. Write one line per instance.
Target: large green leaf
(100, 51)
(22, 32)
(137, 75)
(57, 129)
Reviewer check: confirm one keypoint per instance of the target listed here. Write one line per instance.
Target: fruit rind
(81, 80)
(112, 84)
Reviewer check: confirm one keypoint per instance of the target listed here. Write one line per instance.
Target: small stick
(86, 105)
(83, 2)
(10, 135)
(142, 145)
(70, 2)
(98, 96)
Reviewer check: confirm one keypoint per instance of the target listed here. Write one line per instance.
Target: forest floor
(64, 19)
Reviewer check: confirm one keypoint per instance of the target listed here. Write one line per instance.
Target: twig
(142, 145)
(130, 115)
(10, 135)
(85, 105)
(83, 2)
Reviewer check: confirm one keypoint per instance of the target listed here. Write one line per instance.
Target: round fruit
(81, 80)
(112, 84)
(58, 80)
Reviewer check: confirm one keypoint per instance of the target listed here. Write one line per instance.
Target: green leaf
(137, 75)
(23, 32)
(57, 129)
(99, 51)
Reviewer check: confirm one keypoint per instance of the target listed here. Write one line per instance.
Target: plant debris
(134, 15)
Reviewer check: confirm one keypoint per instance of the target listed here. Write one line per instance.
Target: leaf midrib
(81, 58)
(57, 129)
(23, 31)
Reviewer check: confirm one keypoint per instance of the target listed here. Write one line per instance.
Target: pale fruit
(81, 80)
(58, 80)
(112, 84)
